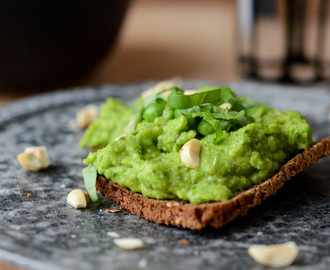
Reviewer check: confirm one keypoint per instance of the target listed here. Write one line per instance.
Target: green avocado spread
(241, 143)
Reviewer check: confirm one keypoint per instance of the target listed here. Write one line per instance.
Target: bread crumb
(184, 242)
(112, 210)
(29, 195)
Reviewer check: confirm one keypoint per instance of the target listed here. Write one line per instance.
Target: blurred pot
(50, 42)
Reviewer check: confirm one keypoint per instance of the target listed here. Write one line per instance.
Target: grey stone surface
(44, 232)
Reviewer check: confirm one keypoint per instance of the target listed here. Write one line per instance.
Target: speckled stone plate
(43, 232)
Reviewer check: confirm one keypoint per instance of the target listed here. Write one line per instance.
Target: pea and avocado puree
(113, 119)
(241, 146)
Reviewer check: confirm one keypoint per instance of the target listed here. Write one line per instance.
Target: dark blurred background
(158, 40)
(85, 44)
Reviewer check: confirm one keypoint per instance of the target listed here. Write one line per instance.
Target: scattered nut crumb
(125, 213)
(260, 233)
(72, 124)
(73, 236)
(34, 158)
(29, 195)
(225, 106)
(113, 210)
(113, 234)
(280, 255)
(142, 263)
(77, 199)
(196, 252)
(87, 115)
(190, 92)
(184, 242)
(62, 186)
(129, 243)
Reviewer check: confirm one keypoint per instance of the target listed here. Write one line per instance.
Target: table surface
(203, 47)
(139, 56)
(43, 232)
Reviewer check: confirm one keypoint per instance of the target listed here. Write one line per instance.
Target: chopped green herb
(90, 175)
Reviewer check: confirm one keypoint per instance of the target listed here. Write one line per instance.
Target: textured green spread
(236, 153)
(114, 117)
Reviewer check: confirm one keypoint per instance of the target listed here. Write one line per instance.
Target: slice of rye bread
(214, 214)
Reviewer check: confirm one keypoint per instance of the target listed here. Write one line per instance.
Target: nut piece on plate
(78, 198)
(34, 158)
(129, 243)
(113, 234)
(190, 153)
(280, 255)
(87, 115)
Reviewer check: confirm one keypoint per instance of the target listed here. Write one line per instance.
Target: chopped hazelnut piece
(159, 87)
(190, 153)
(113, 234)
(34, 158)
(280, 255)
(129, 243)
(88, 199)
(190, 92)
(225, 106)
(29, 195)
(77, 199)
(87, 115)
(184, 242)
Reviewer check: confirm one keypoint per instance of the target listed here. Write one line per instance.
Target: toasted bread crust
(215, 214)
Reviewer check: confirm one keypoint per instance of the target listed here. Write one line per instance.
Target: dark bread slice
(214, 214)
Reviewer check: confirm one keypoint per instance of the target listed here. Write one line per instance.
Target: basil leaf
(187, 101)
(226, 95)
(218, 135)
(225, 125)
(136, 120)
(90, 175)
